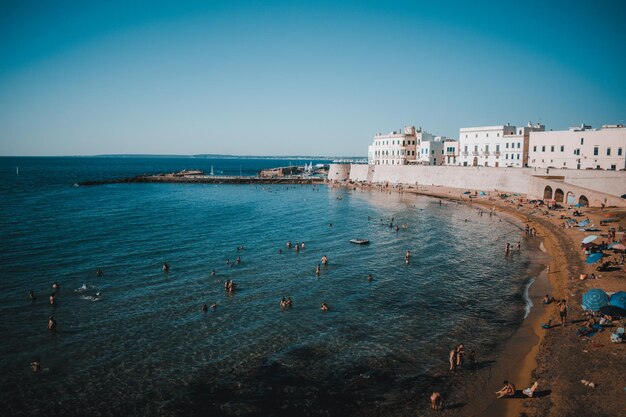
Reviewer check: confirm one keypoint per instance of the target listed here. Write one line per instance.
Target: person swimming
(324, 260)
(318, 270)
(31, 295)
(36, 366)
(99, 272)
(238, 260)
(56, 286)
(205, 308)
(165, 267)
(213, 272)
(324, 307)
(407, 256)
(369, 277)
(52, 299)
(52, 324)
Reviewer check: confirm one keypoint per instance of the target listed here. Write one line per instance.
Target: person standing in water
(407, 257)
(318, 270)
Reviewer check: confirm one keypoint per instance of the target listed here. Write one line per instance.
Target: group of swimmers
(286, 303)
(508, 248)
(457, 355)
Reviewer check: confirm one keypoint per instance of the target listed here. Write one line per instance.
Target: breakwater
(204, 179)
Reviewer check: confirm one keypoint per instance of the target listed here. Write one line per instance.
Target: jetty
(198, 177)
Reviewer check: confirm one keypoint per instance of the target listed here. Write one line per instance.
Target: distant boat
(360, 241)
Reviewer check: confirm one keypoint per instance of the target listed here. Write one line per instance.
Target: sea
(144, 347)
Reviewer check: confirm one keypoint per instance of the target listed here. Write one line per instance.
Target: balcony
(475, 153)
(464, 153)
(497, 153)
(486, 153)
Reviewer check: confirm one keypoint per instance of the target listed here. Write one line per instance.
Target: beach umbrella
(618, 246)
(482, 193)
(595, 299)
(590, 238)
(579, 205)
(583, 223)
(594, 257)
(618, 300)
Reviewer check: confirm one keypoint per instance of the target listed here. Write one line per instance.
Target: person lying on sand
(530, 391)
(508, 390)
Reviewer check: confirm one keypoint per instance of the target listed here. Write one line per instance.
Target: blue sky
(285, 78)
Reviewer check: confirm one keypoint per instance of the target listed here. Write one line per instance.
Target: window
(613, 167)
(519, 145)
(466, 136)
(582, 141)
(507, 145)
(487, 134)
(520, 132)
(506, 156)
(534, 149)
(562, 148)
(543, 149)
(476, 134)
(595, 150)
(497, 148)
(619, 151)
(475, 148)
(497, 134)
(552, 148)
(486, 148)
(465, 149)
(608, 151)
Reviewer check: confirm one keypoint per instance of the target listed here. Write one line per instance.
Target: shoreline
(526, 355)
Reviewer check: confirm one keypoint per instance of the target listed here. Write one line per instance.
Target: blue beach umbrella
(619, 300)
(583, 223)
(593, 258)
(590, 238)
(595, 299)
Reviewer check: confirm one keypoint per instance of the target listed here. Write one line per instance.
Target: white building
(397, 148)
(439, 151)
(496, 146)
(579, 148)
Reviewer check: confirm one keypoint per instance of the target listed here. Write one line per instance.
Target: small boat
(360, 241)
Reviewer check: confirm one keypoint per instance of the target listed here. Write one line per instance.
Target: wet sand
(558, 358)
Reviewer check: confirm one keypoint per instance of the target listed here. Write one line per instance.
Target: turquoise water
(146, 348)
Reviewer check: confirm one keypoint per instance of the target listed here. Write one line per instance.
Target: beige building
(579, 148)
(496, 146)
(397, 148)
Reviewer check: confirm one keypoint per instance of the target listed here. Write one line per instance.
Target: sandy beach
(558, 358)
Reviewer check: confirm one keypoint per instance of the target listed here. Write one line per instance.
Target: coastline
(527, 355)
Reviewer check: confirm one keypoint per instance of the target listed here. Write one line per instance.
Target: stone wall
(598, 187)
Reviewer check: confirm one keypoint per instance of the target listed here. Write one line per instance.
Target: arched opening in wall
(571, 198)
(547, 193)
(558, 195)
(475, 162)
(582, 200)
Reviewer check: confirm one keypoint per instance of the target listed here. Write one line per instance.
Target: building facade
(496, 146)
(439, 151)
(397, 148)
(579, 148)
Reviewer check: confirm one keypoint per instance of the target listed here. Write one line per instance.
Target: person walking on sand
(563, 311)
(453, 360)
(436, 401)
